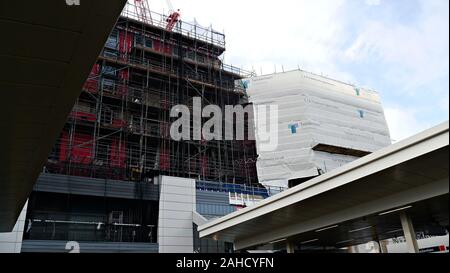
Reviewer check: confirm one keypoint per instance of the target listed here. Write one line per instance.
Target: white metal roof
(404, 172)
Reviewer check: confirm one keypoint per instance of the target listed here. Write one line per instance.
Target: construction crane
(143, 11)
(173, 18)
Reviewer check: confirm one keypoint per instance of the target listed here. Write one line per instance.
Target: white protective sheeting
(326, 112)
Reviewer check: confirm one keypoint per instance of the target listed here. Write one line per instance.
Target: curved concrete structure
(46, 54)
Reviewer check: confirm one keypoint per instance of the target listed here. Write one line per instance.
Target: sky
(399, 48)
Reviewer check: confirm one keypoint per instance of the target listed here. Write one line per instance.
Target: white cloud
(404, 123)
(324, 35)
(262, 34)
(373, 2)
(414, 53)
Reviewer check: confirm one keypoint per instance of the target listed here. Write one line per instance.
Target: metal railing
(190, 30)
(95, 230)
(239, 71)
(190, 75)
(239, 188)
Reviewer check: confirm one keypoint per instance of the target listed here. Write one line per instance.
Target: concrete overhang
(407, 172)
(47, 51)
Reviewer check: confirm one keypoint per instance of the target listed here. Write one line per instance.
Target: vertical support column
(290, 248)
(383, 246)
(175, 220)
(409, 233)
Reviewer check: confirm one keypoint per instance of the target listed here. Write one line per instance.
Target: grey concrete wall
(175, 222)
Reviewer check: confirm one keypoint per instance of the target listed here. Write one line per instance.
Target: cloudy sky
(398, 47)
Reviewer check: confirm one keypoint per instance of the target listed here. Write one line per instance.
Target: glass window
(139, 40)
(110, 53)
(200, 58)
(148, 42)
(108, 84)
(109, 70)
(112, 41)
(175, 51)
(190, 55)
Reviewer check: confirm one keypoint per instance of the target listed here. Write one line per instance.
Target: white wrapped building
(322, 124)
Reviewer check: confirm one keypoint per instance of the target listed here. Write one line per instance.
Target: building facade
(116, 181)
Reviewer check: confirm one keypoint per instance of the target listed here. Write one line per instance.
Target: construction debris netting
(314, 111)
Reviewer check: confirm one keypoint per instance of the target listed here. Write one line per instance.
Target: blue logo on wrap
(293, 128)
(245, 84)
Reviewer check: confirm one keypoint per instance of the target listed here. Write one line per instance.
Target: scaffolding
(119, 127)
(191, 30)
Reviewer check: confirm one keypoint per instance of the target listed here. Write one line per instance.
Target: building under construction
(120, 125)
(117, 181)
(104, 185)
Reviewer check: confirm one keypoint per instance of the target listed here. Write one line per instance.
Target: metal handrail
(239, 188)
(194, 31)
